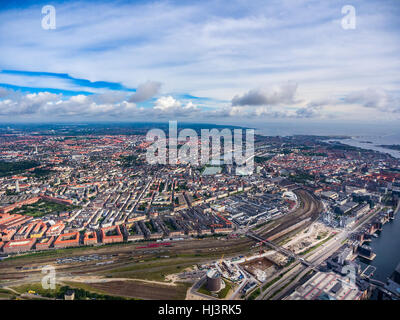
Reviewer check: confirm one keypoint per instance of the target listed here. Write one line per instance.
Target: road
(127, 255)
(287, 283)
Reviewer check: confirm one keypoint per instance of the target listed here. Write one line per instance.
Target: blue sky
(225, 61)
(48, 77)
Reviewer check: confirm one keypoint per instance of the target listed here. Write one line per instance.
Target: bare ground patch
(136, 289)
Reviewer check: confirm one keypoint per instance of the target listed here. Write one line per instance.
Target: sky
(238, 62)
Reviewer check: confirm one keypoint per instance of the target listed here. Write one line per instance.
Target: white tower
(16, 185)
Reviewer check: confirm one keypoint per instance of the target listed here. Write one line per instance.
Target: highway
(288, 282)
(278, 248)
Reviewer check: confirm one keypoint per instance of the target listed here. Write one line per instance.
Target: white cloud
(200, 49)
(48, 106)
(108, 105)
(169, 106)
(375, 98)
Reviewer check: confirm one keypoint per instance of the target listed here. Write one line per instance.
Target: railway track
(126, 254)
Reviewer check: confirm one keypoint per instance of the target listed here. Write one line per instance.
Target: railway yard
(176, 269)
(147, 262)
(112, 226)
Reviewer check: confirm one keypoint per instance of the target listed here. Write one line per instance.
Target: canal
(387, 249)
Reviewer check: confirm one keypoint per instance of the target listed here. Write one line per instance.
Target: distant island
(391, 146)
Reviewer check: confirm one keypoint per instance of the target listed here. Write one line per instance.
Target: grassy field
(203, 289)
(37, 287)
(82, 291)
(222, 293)
(84, 286)
(111, 290)
(316, 246)
(152, 269)
(6, 294)
(270, 283)
(42, 208)
(157, 268)
(13, 168)
(254, 294)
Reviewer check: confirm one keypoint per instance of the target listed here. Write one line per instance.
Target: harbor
(385, 246)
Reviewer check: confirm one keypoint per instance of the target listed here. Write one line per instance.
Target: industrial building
(213, 280)
(328, 286)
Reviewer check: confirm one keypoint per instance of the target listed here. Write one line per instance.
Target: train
(156, 245)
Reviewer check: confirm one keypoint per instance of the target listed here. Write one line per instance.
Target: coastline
(370, 146)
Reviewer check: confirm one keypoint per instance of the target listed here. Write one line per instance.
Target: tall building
(16, 185)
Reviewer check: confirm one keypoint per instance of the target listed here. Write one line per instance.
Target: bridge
(383, 288)
(280, 249)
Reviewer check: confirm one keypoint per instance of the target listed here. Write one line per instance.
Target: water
(374, 143)
(365, 136)
(330, 128)
(387, 249)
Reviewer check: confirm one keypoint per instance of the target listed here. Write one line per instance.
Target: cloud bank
(283, 94)
(231, 53)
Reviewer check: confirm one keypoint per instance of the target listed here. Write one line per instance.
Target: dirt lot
(309, 237)
(260, 263)
(136, 289)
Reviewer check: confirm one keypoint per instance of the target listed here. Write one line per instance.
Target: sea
(366, 136)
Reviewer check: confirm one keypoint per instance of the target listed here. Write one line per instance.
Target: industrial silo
(213, 280)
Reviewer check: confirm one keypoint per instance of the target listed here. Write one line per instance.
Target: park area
(42, 208)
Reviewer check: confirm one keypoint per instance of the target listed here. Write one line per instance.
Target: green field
(222, 293)
(13, 168)
(254, 294)
(81, 292)
(316, 246)
(42, 208)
